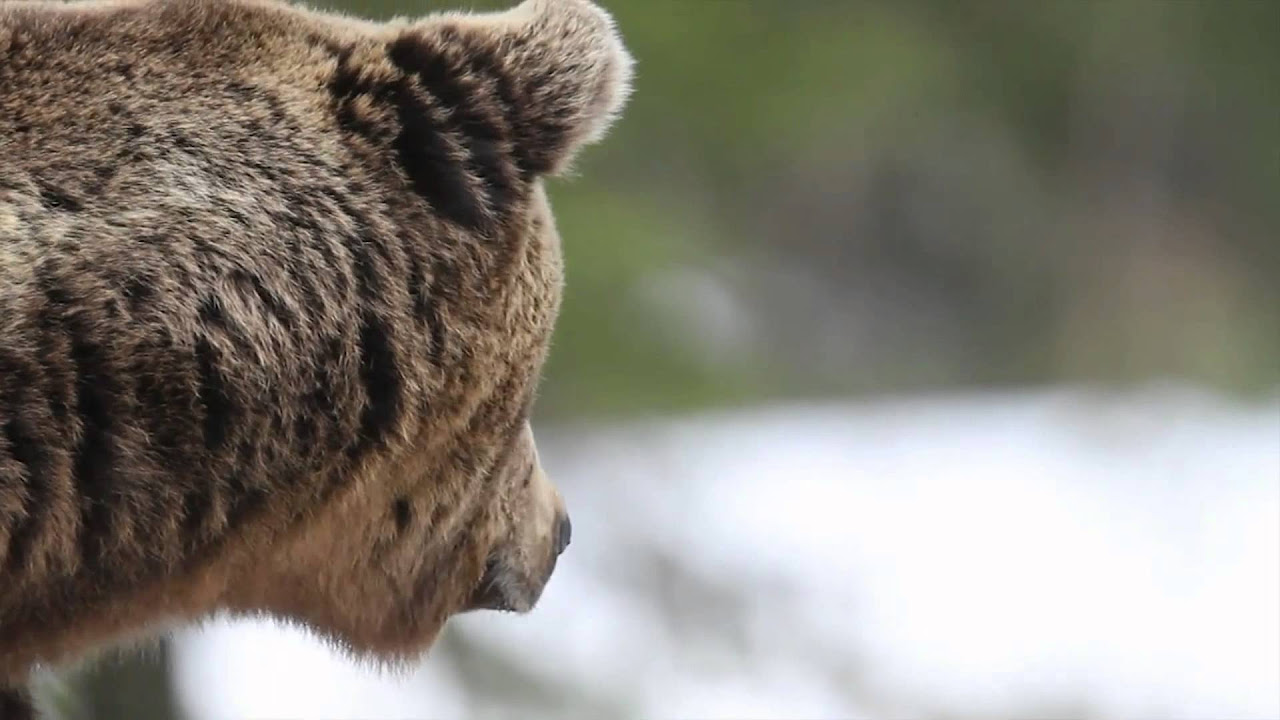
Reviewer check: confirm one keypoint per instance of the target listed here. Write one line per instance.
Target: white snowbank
(1051, 553)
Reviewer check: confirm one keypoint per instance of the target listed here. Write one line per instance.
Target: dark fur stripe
(319, 402)
(218, 408)
(467, 188)
(211, 311)
(137, 290)
(213, 314)
(483, 61)
(367, 279)
(482, 133)
(198, 503)
(443, 287)
(422, 292)
(414, 56)
(382, 384)
(424, 155)
(154, 395)
(402, 513)
(57, 387)
(418, 290)
(425, 295)
(270, 300)
(26, 450)
(346, 78)
(55, 198)
(93, 390)
(244, 498)
(95, 454)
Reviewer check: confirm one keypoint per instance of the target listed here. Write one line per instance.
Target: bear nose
(563, 534)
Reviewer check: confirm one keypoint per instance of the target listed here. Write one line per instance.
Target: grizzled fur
(275, 289)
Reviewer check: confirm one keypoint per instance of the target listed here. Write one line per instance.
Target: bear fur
(276, 287)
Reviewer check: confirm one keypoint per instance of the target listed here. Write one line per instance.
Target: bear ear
(554, 73)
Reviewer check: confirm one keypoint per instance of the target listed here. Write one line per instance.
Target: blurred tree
(131, 686)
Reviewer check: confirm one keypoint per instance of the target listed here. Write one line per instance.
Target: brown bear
(276, 287)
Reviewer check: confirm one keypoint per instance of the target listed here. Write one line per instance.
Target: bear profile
(276, 287)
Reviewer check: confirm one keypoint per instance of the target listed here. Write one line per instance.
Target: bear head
(276, 287)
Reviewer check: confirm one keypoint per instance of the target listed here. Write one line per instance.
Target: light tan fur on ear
(563, 64)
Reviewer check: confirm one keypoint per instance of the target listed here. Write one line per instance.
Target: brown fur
(275, 289)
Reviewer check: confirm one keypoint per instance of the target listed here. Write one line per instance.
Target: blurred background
(918, 360)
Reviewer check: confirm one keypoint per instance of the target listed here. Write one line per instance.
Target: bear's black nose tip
(563, 534)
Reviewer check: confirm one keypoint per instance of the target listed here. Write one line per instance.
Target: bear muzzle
(507, 587)
(521, 563)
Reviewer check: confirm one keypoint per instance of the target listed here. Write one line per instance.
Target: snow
(1054, 552)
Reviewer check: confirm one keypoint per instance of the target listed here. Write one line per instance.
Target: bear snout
(514, 583)
(564, 533)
